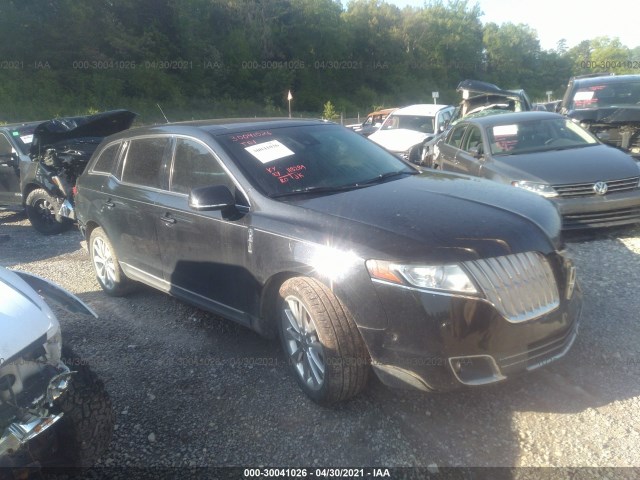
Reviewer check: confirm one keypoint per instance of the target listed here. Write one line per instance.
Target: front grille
(540, 353)
(607, 218)
(586, 189)
(521, 286)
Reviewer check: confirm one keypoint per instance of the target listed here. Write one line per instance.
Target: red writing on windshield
(292, 173)
(242, 137)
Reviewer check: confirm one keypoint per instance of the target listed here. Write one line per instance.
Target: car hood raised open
(99, 125)
(478, 96)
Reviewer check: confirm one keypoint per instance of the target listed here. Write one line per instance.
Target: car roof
(217, 126)
(506, 118)
(598, 80)
(420, 109)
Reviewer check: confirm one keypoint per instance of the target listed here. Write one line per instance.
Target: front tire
(106, 265)
(86, 428)
(326, 352)
(41, 211)
(415, 154)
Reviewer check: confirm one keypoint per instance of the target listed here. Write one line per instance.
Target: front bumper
(438, 342)
(37, 416)
(599, 210)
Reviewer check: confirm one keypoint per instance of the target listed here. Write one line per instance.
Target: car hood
(24, 317)
(476, 87)
(582, 165)
(611, 115)
(99, 125)
(433, 216)
(399, 140)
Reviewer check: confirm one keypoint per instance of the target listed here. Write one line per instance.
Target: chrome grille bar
(586, 189)
(521, 286)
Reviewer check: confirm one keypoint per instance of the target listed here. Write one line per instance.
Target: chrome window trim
(116, 163)
(171, 136)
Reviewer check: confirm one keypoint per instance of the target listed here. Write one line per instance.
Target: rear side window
(474, 139)
(144, 160)
(107, 159)
(455, 136)
(194, 166)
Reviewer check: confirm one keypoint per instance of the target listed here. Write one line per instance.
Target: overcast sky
(573, 20)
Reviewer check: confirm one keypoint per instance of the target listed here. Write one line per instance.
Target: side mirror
(212, 197)
(8, 159)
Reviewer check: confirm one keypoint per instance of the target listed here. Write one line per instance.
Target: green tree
(329, 111)
(511, 54)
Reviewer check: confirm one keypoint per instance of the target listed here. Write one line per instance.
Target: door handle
(168, 220)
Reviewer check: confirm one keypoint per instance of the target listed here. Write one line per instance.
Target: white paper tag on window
(26, 138)
(582, 96)
(505, 130)
(269, 151)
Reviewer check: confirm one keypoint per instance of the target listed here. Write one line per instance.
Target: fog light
(475, 369)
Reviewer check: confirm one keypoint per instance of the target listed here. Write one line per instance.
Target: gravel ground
(190, 389)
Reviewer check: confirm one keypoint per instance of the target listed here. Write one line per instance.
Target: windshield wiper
(342, 188)
(569, 147)
(384, 176)
(318, 189)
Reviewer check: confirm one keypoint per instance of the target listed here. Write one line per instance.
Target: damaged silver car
(479, 99)
(50, 415)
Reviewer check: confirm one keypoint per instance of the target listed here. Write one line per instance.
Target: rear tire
(106, 265)
(41, 211)
(327, 355)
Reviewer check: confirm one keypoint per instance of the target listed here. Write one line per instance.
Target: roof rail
(592, 75)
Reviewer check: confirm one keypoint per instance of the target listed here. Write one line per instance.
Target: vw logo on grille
(600, 188)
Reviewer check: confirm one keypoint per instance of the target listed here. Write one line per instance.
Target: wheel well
(267, 323)
(88, 228)
(27, 190)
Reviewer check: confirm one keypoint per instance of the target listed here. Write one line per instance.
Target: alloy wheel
(103, 262)
(45, 210)
(302, 343)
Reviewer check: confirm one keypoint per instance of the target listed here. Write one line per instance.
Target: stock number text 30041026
(316, 473)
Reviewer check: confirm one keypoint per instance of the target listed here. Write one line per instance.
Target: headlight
(434, 277)
(540, 188)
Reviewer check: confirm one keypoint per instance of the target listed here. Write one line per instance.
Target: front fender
(37, 176)
(54, 294)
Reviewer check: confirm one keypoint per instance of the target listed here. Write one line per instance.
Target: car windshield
(23, 136)
(311, 158)
(607, 95)
(419, 123)
(537, 136)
